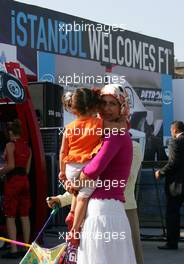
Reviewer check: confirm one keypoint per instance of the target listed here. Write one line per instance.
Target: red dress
(16, 190)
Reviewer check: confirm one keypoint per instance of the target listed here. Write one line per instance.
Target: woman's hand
(52, 201)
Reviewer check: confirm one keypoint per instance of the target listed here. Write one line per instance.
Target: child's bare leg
(80, 212)
(74, 202)
(70, 217)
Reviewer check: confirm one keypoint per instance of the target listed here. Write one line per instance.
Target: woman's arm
(62, 200)
(110, 147)
(65, 199)
(9, 153)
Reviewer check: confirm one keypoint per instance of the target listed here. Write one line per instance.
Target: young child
(81, 141)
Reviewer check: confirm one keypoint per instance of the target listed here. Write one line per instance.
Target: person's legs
(70, 217)
(11, 189)
(12, 231)
(134, 225)
(82, 202)
(74, 203)
(24, 204)
(173, 219)
(72, 173)
(25, 221)
(80, 212)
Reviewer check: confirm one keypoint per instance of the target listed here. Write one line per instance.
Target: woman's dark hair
(83, 100)
(15, 127)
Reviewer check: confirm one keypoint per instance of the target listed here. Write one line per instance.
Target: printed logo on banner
(14, 89)
(167, 97)
(48, 78)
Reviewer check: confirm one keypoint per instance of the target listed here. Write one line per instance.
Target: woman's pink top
(111, 166)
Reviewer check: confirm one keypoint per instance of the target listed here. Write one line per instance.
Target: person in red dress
(17, 157)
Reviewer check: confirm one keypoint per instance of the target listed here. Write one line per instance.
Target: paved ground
(152, 255)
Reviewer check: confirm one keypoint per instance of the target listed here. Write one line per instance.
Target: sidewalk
(153, 255)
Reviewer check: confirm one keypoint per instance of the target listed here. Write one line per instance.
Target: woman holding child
(105, 235)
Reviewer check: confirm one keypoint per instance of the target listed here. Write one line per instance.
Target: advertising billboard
(65, 49)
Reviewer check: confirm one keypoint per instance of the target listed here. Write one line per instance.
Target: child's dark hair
(15, 127)
(83, 100)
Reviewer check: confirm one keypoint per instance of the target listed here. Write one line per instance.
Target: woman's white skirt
(106, 236)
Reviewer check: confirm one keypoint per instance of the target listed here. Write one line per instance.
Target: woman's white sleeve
(65, 199)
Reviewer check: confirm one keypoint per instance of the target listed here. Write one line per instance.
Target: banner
(32, 28)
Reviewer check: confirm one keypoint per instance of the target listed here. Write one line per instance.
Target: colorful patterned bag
(39, 255)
